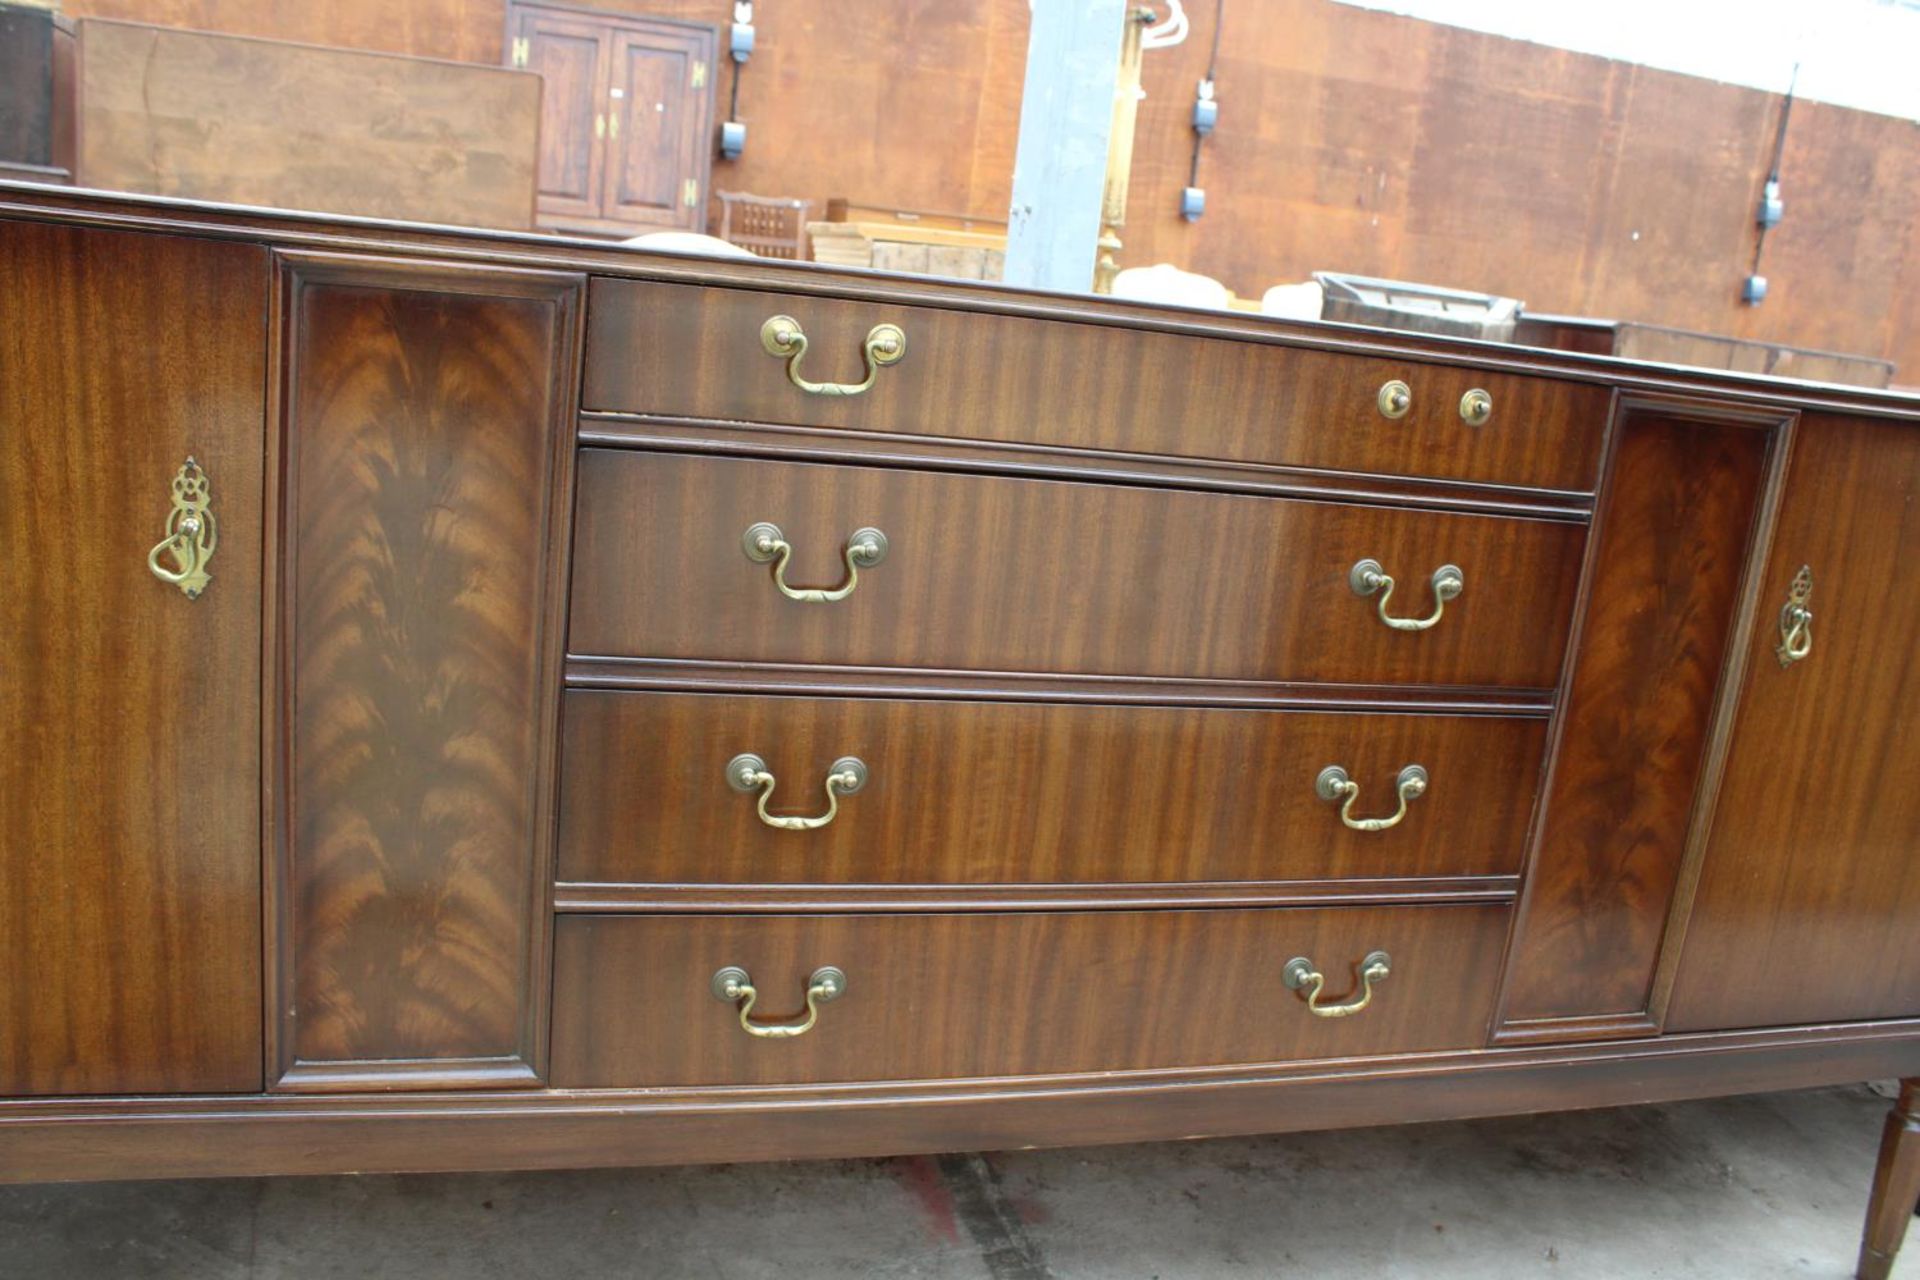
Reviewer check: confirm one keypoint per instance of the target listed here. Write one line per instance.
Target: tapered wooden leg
(1896, 1185)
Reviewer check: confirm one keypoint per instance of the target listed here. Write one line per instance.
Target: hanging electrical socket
(1753, 290)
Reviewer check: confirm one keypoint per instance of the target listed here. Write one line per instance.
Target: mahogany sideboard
(481, 701)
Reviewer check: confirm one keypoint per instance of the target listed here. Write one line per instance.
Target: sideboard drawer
(986, 573)
(684, 350)
(1021, 793)
(950, 996)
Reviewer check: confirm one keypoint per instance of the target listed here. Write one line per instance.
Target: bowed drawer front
(681, 350)
(969, 572)
(959, 792)
(935, 997)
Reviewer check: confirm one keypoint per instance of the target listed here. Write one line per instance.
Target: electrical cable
(1213, 63)
(1779, 155)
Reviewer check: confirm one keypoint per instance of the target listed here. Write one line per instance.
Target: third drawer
(989, 573)
(981, 793)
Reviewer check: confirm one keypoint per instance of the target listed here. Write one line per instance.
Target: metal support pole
(1066, 121)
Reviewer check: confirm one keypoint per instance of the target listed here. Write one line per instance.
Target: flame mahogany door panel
(129, 713)
(1808, 907)
(428, 462)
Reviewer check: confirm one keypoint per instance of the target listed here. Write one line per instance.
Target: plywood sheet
(216, 117)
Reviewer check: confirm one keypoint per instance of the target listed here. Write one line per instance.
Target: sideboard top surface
(295, 229)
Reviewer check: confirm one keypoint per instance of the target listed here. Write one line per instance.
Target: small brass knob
(1395, 399)
(1476, 407)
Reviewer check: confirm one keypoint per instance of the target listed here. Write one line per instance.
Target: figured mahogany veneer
(994, 574)
(426, 466)
(1016, 994)
(671, 349)
(987, 793)
(324, 871)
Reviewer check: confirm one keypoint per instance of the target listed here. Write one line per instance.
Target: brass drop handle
(1796, 619)
(192, 533)
(783, 337)
(763, 542)
(1368, 578)
(1300, 973)
(1333, 785)
(748, 772)
(734, 986)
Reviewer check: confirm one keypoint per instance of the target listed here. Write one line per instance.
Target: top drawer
(692, 351)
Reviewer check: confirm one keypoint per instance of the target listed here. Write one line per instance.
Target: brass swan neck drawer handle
(748, 772)
(783, 337)
(1368, 578)
(192, 533)
(1335, 786)
(764, 543)
(1300, 974)
(1796, 620)
(733, 986)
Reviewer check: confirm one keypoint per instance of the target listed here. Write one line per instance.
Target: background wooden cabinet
(130, 782)
(626, 120)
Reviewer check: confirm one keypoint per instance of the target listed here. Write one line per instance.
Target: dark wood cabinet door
(130, 776)
(569, 54)
(659, 113)
(1808, 908)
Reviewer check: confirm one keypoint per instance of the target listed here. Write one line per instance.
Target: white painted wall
(1853, 53)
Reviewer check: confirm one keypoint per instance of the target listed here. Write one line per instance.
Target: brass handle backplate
(1300, 974)
(1476, 407)
(192, 533)
(1395, 398)
(748, 772)
(1796, 619)
(734, 986)
(1334, 786)
(1368, 578)
(783, 337)
(763, 542)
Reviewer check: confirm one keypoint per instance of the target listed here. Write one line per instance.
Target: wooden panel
(999, 574)
(213, 117)
(428, 472)
(1809, 905)
(990, 793)
(660, 91)
(569, 55)
(130, 778)
(1672, 537)
(952, 996)
(677, 349)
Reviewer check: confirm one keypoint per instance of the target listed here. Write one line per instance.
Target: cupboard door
(569, 54)
(659, 106)
(129, 712)
(1808, 908)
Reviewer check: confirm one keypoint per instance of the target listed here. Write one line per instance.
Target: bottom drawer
(950, 996)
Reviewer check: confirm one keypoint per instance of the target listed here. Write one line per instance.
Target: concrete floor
(1743, 1188)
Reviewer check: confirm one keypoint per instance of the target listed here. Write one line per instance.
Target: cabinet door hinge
(699, 74)
(690, 193)
(521, 51)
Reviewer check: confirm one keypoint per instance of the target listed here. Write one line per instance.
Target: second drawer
(987, 573)
(1024, 793)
